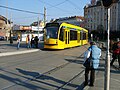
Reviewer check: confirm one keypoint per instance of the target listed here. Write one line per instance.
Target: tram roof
(72, 26)
(68, 25)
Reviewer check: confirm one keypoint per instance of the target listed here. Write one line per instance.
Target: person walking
(115, 53)
(93, 55)
(28, 42)
(32, 41)
(119, 53)
(18, 42)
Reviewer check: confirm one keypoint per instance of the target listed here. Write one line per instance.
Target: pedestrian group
(30, 43)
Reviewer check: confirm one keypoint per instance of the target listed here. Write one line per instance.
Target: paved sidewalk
(100, 73)
(100, 80)
(7, 49)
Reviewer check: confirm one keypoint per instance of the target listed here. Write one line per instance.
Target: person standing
(18, 42)
(28, 42)
(93, 55)
(36, 41)
(119, 53)
(32, 41)
(115, 53)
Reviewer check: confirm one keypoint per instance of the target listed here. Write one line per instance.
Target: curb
(18, 52)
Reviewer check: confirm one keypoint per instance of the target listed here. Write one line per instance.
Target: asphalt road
(51, 70)
(42, 70)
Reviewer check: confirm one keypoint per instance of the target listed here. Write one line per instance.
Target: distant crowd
(30, 43)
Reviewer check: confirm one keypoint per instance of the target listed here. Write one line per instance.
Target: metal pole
(11, 39)
(7, 21)
(38, 26)
(44, 16)
(107, 62)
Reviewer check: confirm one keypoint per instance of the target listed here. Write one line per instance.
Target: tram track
(21, 59)
(80, 74)
(38, 76)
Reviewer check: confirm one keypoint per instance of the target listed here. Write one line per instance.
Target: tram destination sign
(52, 24)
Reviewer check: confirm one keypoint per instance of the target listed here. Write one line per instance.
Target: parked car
(1, 37)
(14, 37)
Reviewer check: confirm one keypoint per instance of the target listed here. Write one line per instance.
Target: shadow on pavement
(39, 77)
(74, 61)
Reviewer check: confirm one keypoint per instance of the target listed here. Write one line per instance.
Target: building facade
(96, 17)
(5, 26)
(23, 31)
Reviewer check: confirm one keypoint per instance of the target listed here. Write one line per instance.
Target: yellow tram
(64, 35)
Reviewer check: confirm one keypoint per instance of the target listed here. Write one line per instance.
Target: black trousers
(119, 60)
(114, 56)
(92, 75)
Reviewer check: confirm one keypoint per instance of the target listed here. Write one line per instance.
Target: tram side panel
(68, 36)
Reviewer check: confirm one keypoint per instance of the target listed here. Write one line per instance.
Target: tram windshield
(52, 32)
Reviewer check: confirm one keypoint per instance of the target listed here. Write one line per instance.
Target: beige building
(4, 26)
(76, 20)
(96, 17)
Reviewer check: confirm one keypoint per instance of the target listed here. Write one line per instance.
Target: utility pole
(11, 39)
(107, 62)
(44, 16)
(38, 26)
(107, 4)
(6, 31)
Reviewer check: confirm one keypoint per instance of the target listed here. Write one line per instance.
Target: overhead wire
(20, 10)
(73, 4)
(26, 17)
(59, 4)
(55, 6)
(37, 12)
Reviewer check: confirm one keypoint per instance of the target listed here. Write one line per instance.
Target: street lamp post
(107, 62)
(38, 26)
(11, 39)
(107, 4)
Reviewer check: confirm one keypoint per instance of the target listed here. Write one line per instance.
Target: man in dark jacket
(36, 41)
(116, 53)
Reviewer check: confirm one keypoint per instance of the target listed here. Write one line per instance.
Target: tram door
(81, 37)
(78, 37)
(67, 38)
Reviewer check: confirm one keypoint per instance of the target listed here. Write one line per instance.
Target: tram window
(52, 32)
(61, 34)
(73, 35)
(84, 36)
